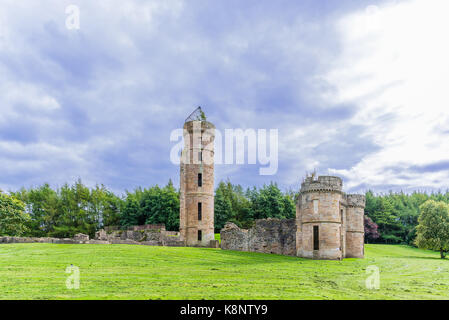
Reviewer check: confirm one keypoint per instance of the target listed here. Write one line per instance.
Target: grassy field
(37, 271)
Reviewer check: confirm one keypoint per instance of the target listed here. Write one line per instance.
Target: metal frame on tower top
(197, 115)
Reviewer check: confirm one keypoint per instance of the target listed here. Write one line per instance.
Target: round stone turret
(197, 183)
(355, 231)
(319, 218)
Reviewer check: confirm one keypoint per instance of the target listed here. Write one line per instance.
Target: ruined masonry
(328, 225)
(149, 234)
(196, 220)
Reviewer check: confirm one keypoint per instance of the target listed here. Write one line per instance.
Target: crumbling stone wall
(234, 238)
(81, 237)
(152, 235)
(49, 240)
(267, 236)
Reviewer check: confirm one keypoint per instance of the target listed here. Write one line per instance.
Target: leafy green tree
(104, 207)
(289, 207)
(76, 214)
(171, 202)
(223, 207)
(161, 206)
(42, 205)
(243, 207)
(383, 213)
(130, 212)
(433, 227)
(13, 219)
(269, 203)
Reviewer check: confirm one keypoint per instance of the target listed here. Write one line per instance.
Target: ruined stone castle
(328, 224)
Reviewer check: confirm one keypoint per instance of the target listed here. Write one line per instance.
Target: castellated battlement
(356, 200)
(322, 183)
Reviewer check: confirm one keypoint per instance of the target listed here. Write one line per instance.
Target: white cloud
(394, 65)
(100, 102)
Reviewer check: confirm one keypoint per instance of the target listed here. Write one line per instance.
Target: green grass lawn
(37, 271)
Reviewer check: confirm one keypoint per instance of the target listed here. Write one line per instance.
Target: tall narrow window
(200, 235)
(342, 216)
(200, 211)
(315, 206)
(200, 179)
(200, 156)
(316, 238)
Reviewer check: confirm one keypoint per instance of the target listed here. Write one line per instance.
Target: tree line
(395, 215)
(62, 212)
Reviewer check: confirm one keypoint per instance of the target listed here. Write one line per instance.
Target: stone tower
(320, 219)
(355, 231)
(197, 182)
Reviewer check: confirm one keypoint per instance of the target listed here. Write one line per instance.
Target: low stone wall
(49, 240)
(155, 227)
(151, 235)
(172, 233)
(166, 242)
(276, 236)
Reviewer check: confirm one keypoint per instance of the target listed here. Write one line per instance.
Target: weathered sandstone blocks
(197, 184)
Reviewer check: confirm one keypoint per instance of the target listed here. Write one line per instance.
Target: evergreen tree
(223, 207)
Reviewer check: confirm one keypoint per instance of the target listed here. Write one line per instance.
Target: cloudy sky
(356, 88)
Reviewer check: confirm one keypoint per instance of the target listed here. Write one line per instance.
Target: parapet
(356, 200)
(322, 183)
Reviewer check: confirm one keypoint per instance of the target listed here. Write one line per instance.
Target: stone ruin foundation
(149, 234)
(266, 236)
